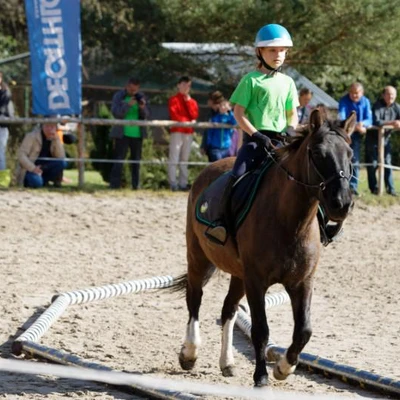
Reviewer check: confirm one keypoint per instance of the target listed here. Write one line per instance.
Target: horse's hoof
(228, 371)
(278, 375)
(263, 381)
(187, 365)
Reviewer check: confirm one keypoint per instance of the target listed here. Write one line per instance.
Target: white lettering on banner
(54, 51)
(58, 91)
(54, 58)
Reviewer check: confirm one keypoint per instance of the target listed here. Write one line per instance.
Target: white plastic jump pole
(347, 374)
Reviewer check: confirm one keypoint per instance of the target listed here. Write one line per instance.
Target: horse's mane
(296, 141)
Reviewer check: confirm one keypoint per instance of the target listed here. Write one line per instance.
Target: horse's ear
(350, 123)
(316, 120)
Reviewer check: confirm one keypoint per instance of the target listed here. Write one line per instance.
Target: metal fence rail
(166, 124)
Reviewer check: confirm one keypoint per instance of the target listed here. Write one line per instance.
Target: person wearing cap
(265, 108)
(35, 167)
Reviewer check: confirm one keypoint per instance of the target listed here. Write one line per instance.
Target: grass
(368, 198)
(93, 182)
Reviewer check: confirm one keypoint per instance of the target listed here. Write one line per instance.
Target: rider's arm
(242, 120)
(292, 118)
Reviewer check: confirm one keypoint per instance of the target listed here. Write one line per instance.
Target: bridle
(324, 182)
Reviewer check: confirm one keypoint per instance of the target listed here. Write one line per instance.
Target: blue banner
(56, 61)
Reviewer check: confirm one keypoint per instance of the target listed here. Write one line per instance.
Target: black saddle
(208, 210)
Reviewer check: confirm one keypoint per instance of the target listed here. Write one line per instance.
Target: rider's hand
(262, 139)
(290, 131)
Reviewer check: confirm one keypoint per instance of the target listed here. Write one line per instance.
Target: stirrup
(217, 234)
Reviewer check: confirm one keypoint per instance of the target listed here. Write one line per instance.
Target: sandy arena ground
(52, 242)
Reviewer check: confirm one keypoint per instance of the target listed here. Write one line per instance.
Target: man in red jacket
(181, 108)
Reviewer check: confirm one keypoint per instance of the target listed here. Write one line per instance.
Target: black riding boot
(219, 234)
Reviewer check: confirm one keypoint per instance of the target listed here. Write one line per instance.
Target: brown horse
(279, 242)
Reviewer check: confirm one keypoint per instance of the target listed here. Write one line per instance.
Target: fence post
(81, 155)
(381, 160)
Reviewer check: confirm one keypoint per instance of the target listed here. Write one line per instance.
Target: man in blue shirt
(356, 101)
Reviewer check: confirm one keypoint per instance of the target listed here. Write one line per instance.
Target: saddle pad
(208, 210)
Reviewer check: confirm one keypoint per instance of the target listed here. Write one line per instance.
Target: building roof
(240, 59)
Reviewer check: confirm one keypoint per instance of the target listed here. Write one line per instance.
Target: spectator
(304, 109)
(129, 104)
(66, 131)
(219, 140)
(181, 108)
(214, 99)
(356, 101)
(6, 110)
(34, 170)
(385, 112)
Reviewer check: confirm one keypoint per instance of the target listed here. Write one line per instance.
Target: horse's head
(329, 156)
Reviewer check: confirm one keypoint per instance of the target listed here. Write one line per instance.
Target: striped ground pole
(27, 342)
(64, 358)
(364, 379)
(61, 302)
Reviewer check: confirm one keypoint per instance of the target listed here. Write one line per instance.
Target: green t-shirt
(132, 115)
(266, 99)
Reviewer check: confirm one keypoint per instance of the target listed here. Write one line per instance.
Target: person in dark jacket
(129, 104)
(385, 112)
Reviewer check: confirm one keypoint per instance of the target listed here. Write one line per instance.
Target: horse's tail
(180, 282)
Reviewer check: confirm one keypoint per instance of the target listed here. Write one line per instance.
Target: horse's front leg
(301, 303)
(259, 328)
(228, 318)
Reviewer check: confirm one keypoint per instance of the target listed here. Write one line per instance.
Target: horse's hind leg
(228, 318)
(199, 270)
(301, 302)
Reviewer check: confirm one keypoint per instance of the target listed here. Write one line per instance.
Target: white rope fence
(153, 383)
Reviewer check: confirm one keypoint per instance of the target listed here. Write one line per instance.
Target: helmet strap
(271, 71)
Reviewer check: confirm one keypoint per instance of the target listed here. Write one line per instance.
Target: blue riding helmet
(273, 35)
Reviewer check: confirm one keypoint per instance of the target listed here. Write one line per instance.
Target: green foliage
(17, 133)
(336, 42)
(154, 176)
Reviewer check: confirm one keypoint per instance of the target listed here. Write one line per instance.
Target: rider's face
(273, 56)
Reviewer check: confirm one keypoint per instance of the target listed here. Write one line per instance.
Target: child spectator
(219, 140)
